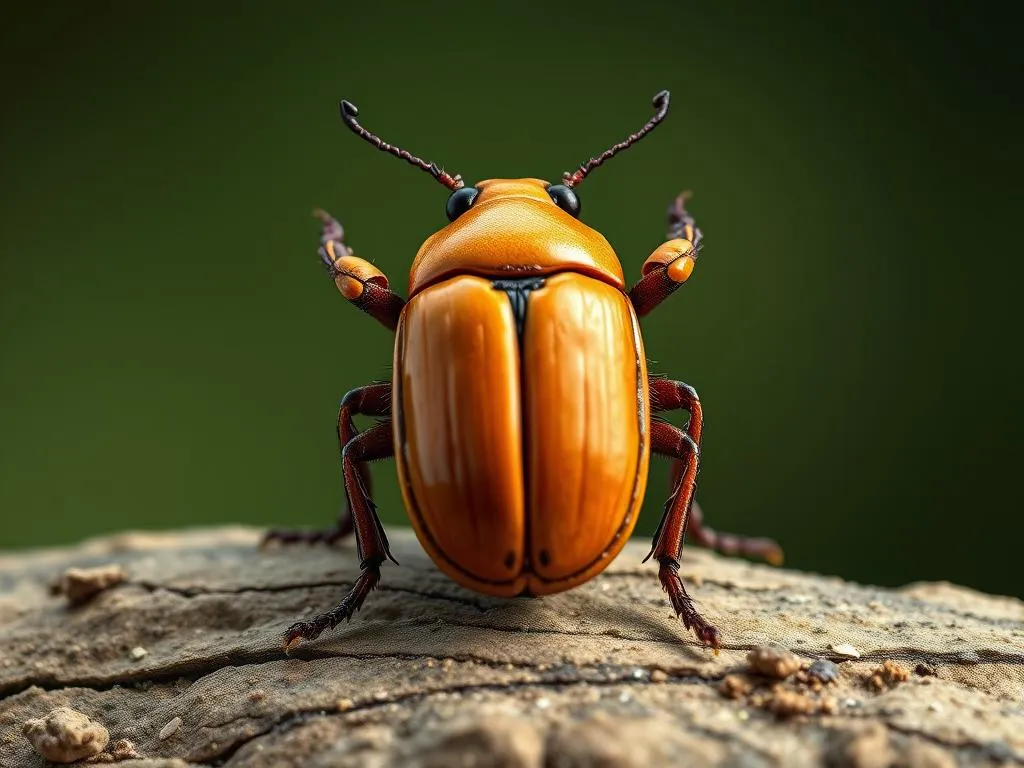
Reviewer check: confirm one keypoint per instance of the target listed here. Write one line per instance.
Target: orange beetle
(520, 411)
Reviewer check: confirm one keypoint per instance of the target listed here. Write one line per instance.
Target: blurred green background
(172, 353)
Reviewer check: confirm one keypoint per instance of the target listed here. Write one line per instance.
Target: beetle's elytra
(521, 414)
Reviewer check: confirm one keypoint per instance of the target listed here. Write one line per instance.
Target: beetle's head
(513, 227)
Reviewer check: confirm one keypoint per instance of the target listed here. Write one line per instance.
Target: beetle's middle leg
(374, 443)
(371, 400)
(669, 440)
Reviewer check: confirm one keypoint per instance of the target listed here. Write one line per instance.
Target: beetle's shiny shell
(522, 459)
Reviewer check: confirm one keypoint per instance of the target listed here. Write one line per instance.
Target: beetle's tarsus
(343, 611)
(682, 603)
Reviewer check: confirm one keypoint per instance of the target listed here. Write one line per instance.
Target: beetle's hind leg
(371, 400)
(374, 443)
(668, 395)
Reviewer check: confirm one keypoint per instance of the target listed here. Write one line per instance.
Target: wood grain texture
(429, 672)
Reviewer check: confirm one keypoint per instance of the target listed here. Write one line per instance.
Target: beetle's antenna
(348, 114)
(660, 103)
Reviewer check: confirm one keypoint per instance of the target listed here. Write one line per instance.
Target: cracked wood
(426, 663)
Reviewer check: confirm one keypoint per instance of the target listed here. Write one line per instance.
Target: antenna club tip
(348, 109)
(661, 98)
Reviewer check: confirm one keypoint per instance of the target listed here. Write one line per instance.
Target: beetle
(521, 414)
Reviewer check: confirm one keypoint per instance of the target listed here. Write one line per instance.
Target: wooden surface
(429, 674)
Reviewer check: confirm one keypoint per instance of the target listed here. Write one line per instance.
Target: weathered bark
(430, 674)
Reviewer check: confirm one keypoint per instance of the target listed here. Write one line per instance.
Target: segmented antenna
(660, 103)
(348, 114)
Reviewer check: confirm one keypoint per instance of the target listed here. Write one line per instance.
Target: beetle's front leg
(357, 279)
(671, 263)
(375, 443)
(371, 400)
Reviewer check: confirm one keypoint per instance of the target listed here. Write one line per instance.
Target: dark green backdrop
(172, 353)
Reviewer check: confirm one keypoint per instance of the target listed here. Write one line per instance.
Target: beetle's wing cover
(586, 425)
(458, 436)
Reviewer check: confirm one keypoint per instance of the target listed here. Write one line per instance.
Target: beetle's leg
(357, 279)
(668, 395)
(671, 263)
(371, 400)
(669, 440)
(374, 443)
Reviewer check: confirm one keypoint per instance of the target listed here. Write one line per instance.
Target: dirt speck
(658, 676)
(734, 687)
(344, 705)
(138, 653)
(845, 650)
(888, 675)
(784, 703)
(79, 585)
(120, 750)
(64, 736)
(773, 661)
(170, 729)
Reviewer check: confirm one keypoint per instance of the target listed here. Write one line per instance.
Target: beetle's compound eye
(461, 200)
(565, 199)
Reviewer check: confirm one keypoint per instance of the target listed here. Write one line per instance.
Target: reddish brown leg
(358, 280)
(658, 284)
(669, 440)
(667, 395)
(371, 400)
(374, 443)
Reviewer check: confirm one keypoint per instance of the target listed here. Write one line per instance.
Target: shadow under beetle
(520, 413)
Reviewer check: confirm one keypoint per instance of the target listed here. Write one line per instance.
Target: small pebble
(79, 585)
(935, 707)
(734, 687)
(888, 675)
(543, 703)
(846, 650)
(658, 676)
(773, 661)
(784, 704)
(344, 705)
(170, 729)
(66, 736)
(824, 670)
(138, 652)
